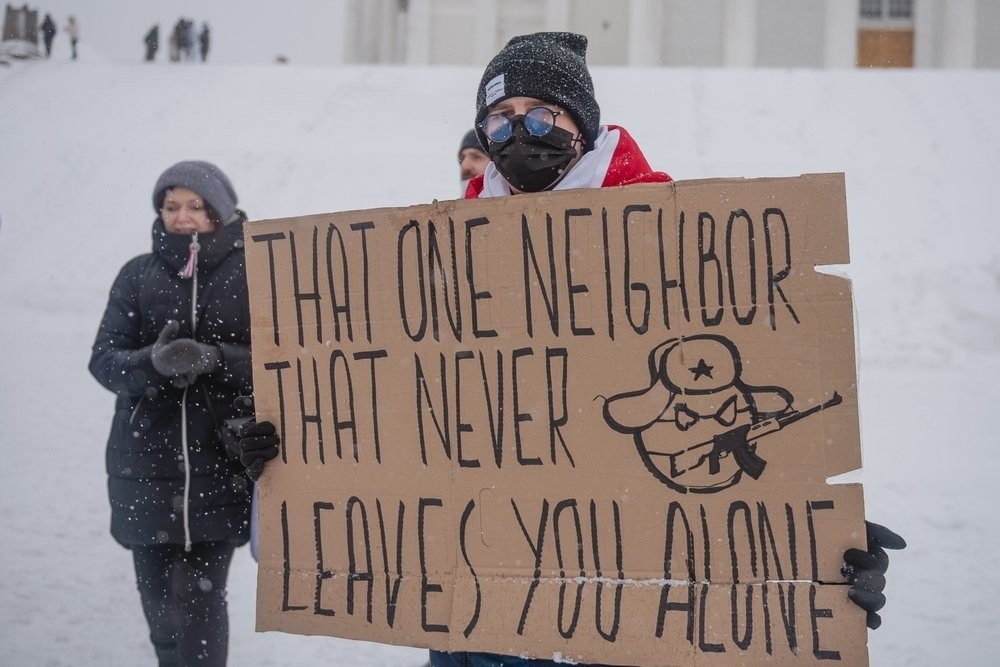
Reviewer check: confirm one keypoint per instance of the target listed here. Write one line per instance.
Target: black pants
(184, 599)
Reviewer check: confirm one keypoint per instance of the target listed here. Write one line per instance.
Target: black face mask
(533, 164)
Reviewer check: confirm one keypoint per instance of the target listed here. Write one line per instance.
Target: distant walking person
(203, 40)
(152, 40)
(187, 38)
(73, 28)
(175, 41)
(48, 33)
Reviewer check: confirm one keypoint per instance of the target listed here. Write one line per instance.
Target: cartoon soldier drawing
(697, 424)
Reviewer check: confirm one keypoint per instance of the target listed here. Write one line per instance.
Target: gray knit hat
(470, 140)
(202, 177)
(549, 66)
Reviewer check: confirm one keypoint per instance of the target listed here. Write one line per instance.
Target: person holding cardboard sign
(174, 346)
(540, 122)
(537, 116)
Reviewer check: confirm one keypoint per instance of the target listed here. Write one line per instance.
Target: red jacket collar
(628, 166)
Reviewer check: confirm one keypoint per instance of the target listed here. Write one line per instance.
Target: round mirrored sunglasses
(539, 121)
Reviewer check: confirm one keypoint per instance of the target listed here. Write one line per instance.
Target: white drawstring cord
(190, 270)
(187, 470)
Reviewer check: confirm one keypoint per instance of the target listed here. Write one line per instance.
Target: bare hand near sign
(865, 570)
(258, 444)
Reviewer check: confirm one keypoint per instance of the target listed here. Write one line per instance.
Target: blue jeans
(466, 659)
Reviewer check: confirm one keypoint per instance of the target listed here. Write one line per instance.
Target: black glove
(865, 570)
(258, 445)
(244, 403)
(183, 359)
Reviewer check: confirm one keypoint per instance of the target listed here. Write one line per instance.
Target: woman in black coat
(174, 346)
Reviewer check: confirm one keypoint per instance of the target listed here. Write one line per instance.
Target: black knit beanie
(548, 66)
(470, 140)
(203, 178)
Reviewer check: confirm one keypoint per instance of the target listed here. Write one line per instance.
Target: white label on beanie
(494, 89)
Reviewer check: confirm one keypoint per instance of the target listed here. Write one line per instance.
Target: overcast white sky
(305, 31)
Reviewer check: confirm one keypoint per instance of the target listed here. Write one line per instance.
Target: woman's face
(184, 212)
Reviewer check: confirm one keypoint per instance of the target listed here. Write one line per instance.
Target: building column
(840, 38)
(739, 33)
(959, 34)
(645, 23)
(386, 29)
(486, 32)
(926, 40)
(557, 15)
(415, 31)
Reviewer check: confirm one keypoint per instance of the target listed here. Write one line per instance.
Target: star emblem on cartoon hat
(701, 369)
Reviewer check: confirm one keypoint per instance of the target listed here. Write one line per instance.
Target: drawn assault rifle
(737, 442)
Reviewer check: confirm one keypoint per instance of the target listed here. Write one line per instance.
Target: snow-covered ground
(81, 145)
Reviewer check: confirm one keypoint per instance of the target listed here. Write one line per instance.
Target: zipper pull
(192, 260)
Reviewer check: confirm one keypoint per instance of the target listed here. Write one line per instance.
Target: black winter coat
(146, 462)
(48, 27)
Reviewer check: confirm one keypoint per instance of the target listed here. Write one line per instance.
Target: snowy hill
(82, 143)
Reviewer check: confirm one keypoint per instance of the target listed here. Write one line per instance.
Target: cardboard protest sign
(594, 424)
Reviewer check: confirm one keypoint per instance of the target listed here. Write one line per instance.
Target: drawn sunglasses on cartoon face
(697, 425)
